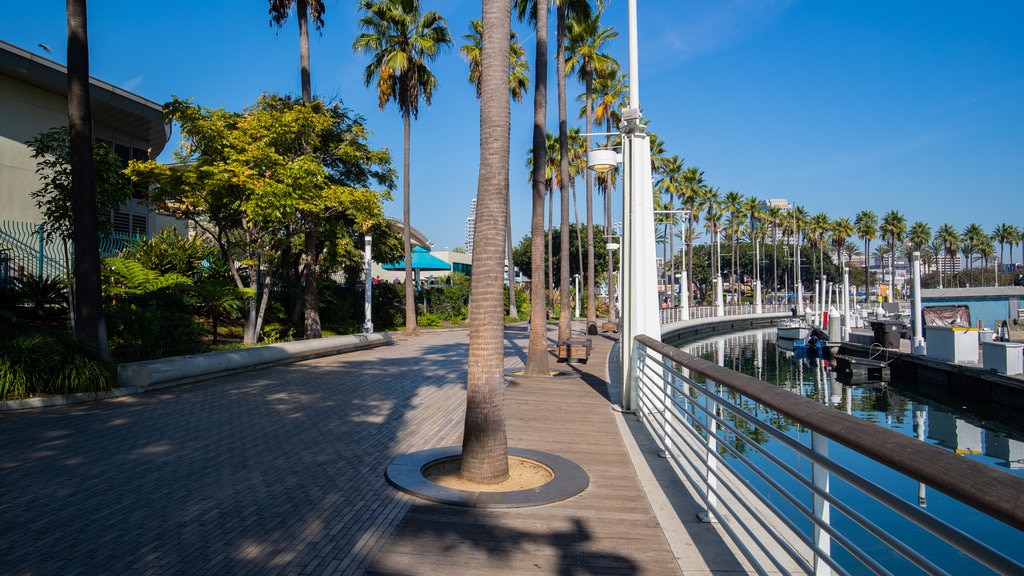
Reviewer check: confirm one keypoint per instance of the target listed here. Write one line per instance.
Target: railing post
(710, 463)
(822, 509)
(42, 249)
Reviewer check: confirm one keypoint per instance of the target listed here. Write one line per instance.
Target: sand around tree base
(523, 475)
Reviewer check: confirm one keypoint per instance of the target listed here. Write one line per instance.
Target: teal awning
(422, 259)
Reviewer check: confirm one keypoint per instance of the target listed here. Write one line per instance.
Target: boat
(793, 329)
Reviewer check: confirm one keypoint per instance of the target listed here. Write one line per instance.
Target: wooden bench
(574, 350)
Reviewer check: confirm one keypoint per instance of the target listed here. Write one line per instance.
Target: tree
(485, 445)
(866, 225)
(247, 180)
(518, 84)
(752, 208)
(537, 351)
(585, 38)
(609, 92)
(1003, 234)
(52, 151)
(280, 10)
(88, 304)
(972, 239)
(950, 240)
(402, 41)
(894, 228)
(841, 231)
(774, 218)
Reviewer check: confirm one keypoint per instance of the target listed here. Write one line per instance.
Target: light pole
(577, 278)
(368, 272)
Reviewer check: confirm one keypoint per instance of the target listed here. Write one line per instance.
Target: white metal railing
(712, 422)
(670, 315)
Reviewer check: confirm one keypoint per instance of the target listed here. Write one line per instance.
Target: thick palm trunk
(537, 352)
(88, 301)
(564, 315)
(485, 445)
(410, 293)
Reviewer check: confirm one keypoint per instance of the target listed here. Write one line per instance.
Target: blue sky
(915, 105)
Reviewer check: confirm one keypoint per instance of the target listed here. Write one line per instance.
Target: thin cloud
(131, 83)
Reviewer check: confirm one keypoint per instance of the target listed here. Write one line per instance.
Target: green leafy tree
(893, 228)
(950, 239)
(866, 225)
(250, 181)
(401, 42)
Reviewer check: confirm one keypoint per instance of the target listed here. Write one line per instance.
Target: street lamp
(640, 313)
(368, 292)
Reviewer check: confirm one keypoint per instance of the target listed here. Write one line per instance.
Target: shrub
(52, 364)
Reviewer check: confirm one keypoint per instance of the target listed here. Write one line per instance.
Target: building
(471, 226)
(33, 99)
(786, 207)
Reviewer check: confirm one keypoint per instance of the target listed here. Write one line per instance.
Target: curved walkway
(281, 471)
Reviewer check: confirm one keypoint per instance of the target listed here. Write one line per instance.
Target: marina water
(990, 434)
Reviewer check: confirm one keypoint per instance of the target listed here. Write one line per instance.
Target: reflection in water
(969, 430)
(974, 431)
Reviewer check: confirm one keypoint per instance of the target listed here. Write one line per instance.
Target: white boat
(792, 329)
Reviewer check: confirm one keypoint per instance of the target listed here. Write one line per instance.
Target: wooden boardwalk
(281, 471)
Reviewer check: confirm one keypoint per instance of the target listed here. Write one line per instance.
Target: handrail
(991, 491)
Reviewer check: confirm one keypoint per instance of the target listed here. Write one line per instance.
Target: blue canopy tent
(422, 259)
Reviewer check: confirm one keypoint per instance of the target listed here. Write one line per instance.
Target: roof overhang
(111, 106)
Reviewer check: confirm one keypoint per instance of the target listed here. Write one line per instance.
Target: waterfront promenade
(281, 471)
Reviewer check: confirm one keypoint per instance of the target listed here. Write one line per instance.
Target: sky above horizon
(838, 107)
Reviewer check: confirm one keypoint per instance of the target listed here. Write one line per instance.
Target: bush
(152, 325)
(52, 364)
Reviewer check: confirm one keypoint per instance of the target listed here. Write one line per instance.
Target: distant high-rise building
(471, 226)
(786, 207)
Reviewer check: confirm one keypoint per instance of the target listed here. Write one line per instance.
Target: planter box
(1003, 357)
(952, 344)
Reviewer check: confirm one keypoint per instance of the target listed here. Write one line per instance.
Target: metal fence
(783, 512)
(25, 250)
(670, 315)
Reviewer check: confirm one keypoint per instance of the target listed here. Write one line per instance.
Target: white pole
(918, 344)
(846, 304)
(368, 272)
(640, 290)
(577, 295)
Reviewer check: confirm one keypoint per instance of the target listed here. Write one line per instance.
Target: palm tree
(819, 227)
(585, 38)
(972, 239)
(986, 251)
(733, 204)
(88, 307)
(1001, 234)
(841, 231)
(609, 92)
(537, 351)
(693, 191)
(919, 235)
(485, 444)
(713, 215)
(773, 217)
(800, 216)
(894, 228)
(578, 9)
(518, 84)
(950, 240)
(402, 41)
(866, 225)
(1014, 236)
(280, 10)
(670, 185)
(752, 209)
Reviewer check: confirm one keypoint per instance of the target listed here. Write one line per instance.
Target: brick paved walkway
(281, 471)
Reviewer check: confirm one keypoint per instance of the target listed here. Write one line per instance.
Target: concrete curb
(154, 374)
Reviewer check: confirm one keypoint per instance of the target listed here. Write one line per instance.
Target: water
(985, 433)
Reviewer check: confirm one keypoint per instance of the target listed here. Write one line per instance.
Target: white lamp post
(368, 272)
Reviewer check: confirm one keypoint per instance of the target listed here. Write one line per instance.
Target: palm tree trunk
(410, 291)
(537, 351)
(591, 310)
(302, 10)
(88, 300)
(485, 445)
(512, 311)
(564, 315)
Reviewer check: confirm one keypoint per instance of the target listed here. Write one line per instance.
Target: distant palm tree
(536, 11)
(773, 217)
(518, 84)
(693, 193)
(1014, 236)
(280, 10)
(485, 444)
(1002, 234)
(841, 231)
(972, 239)
(584, 55)
(609, 92)
(733, 204)
(866, 225)
(752, 208)
(402, 41)
(669, 184)
(919, 235)
(950, 240)
(986, 251)
(894, 228)
(88, 308)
